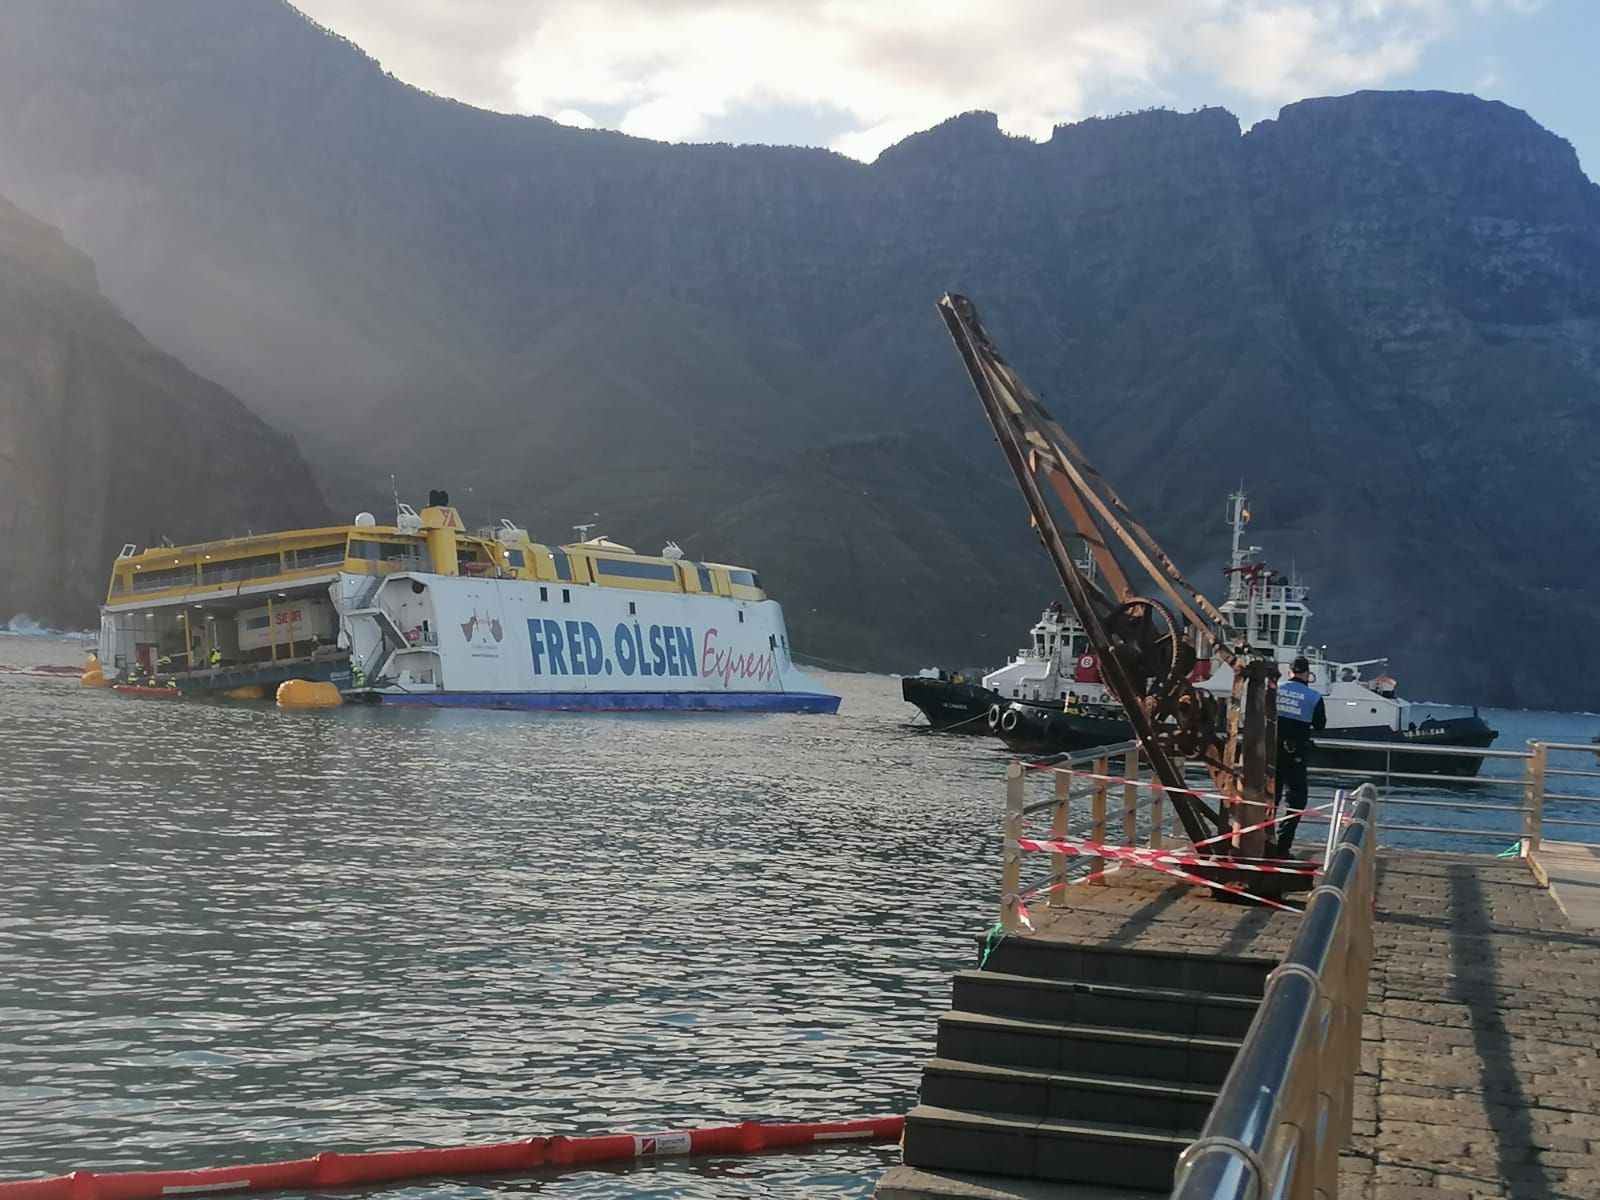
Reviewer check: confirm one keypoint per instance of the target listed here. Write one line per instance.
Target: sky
(859, 75)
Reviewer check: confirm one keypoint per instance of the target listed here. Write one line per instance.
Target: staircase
(1077, 1065)
(393, 637)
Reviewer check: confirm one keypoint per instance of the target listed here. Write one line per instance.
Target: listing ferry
(424, 612)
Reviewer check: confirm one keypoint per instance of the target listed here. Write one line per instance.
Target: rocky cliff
(105, 439)
(1382, 311)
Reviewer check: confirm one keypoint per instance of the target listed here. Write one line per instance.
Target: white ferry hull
(455, 641)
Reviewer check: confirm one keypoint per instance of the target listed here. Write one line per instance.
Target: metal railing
(1284, 1111)
(1128, 820)
(1451, 811)
(1472, 817)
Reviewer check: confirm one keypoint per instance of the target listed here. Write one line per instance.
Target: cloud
(678, 70)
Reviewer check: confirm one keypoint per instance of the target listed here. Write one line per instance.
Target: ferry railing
(1284, 1111)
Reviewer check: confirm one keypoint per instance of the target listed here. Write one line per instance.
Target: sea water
(231, 934)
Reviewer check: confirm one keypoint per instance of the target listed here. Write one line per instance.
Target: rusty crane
(1146, 624)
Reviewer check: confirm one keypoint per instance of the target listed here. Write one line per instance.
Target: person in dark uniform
(1301, 713)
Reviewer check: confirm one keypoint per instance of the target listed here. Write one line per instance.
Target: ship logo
(478, 622)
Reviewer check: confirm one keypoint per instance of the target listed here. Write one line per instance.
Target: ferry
(424, 612)
(1050, 698)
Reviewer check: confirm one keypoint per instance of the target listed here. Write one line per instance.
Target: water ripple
(232, 934)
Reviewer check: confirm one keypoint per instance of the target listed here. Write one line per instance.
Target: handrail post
(1533, 796)
(1335, 821)
(1060, 821)
(1097, 811)
(1011, 862)
(1130, 798)
(1157, 798)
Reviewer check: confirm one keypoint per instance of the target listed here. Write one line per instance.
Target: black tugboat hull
(955, 707)
(1457, 732)
(1040, 730)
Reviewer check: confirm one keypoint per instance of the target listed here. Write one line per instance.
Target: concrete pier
(1481, 1042)
(1481, 1057)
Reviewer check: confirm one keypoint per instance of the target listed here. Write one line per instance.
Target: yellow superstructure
(437, 545)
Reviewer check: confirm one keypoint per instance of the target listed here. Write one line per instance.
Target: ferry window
(308, 557)
(399, 555)
(155, 581)
(566, 596)
(621, 569)
(544, 593)
(741, 616)
(1292, 627)
(563, 565)
(705, 579)
(747, 578)
(234, 569)
(632, 608)
(514, 557)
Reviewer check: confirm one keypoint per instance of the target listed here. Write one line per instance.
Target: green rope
(991, 940)
(1510, 851)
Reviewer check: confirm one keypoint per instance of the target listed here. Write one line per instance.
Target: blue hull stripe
(791, 702)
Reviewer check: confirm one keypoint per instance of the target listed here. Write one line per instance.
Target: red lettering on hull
(726, 663)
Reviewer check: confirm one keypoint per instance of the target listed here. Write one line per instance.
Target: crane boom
(1146, 645)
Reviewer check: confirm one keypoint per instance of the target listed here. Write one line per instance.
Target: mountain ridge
(1381, 309)
(105, 439)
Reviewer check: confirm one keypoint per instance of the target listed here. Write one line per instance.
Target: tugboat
(1053, 674)
(952, 701)
(1270, 611)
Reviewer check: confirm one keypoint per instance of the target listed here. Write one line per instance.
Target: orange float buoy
(308, 693)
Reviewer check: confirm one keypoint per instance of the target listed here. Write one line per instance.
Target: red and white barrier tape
(1148, 784)
(1270, 821)
(1221, 887)
(1139, 854)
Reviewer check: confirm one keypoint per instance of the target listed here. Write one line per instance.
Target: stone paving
(1144, 910)
(1481, 1056)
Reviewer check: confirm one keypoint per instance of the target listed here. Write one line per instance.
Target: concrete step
(1067, 1095)
(1092, 1049)
(914, 1183)
(1083, 1002)
(1082, 1152)
(1215, 974)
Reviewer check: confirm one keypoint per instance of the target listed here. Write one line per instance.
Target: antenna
(395, 491)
